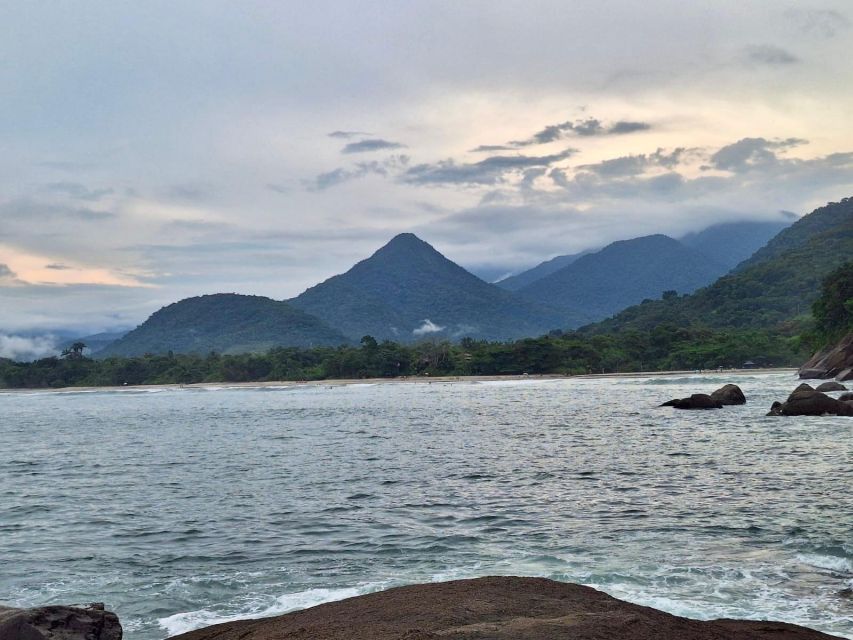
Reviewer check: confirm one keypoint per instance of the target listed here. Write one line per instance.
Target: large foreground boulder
(729, 394)
(494, 608)
(696, 401)
(59, 623)
(833, 362)
(808, 402)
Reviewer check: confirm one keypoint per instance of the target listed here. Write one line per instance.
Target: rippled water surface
(182, 508)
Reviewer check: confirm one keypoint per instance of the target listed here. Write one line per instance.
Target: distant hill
(729, 244)
(774, 286)
(225, 323)
(521, 280)
(622, 274)
(95, 342)
(407, 290)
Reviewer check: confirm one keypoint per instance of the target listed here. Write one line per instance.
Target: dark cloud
(278, 188)
(486, 172)
(31, 209)
(56, 266)
(190, 192)
(769, 55)
(584, 128)
(373, 144)
(359, 170)
(491, 148)
(346, 135)
(625, 126)
(617, 167)
(6, 273)
(749, 153)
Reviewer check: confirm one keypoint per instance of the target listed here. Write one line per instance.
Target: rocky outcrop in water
(494, 608)
(805, 401)
(59, 623)
(834, 362)
(831, 386)
(729, 394)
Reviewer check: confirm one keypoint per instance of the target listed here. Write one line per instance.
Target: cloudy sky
(154, 150)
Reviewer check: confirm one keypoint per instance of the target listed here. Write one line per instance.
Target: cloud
(346, 135)
(359, 170)
(77, 191)
(57, 266)
(486, 172)
(826, 23)
(27, 348)
(491, 148)
(372, 144)
(427, 327)
(625, 126)
(749, 153)
(7, 275)
(769, 55)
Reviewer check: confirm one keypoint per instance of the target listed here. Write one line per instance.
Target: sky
(151, 151)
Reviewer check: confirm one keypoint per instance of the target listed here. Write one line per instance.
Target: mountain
(623, 273)
(773, 287)
(729, 244)
(225, 323)
(407, 290)
(521, 280)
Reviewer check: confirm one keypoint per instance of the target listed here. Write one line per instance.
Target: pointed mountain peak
(406, 241)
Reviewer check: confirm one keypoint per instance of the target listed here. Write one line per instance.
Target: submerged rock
(59, 623)
(494, 608)
(831, 386)
(696, 401)
(729, 394)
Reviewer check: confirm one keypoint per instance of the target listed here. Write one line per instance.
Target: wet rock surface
(59, 622)
(494, 608)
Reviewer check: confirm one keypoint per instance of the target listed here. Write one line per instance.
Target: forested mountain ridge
(224, 323)
(775, 286)
(623, 273)
(407, 290)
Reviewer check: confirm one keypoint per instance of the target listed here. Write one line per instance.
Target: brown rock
(59, 623)
(814, 403)
(494, 608)
(696, 401)
(833, 362)
(831, 386)
(729, 394)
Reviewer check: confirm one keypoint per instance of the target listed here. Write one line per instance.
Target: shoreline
(342, 382)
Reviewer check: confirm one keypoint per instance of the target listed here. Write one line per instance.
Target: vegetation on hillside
(833, 310)
(225, 323)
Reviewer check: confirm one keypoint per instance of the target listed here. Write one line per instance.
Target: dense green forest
(664, 348)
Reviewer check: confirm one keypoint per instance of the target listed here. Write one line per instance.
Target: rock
(833, 362)
(846, 397)
(802, 387)
(729, 394)
(696, 401)
(59, 623)
(775, 409)
(813, 403)
(831, 386)
(494, 608)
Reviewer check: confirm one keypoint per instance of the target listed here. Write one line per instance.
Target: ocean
(181, 508)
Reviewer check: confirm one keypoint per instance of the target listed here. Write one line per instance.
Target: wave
(830, 563)
(191, 620)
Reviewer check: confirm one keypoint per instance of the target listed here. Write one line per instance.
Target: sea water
(181, 508)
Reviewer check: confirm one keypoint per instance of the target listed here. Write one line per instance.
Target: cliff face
(833, 362)
(493, 608)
